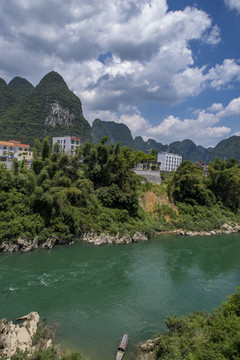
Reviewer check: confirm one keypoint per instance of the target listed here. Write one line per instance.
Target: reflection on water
(94, 294)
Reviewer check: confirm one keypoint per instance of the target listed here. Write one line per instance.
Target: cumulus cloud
(150, 47)
(233, 108)
(233, 4)
(221, 75)
(215, 107)
(118, 55)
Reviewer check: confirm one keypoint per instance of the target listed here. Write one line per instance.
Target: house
(169, 161)
(14, 149)
(67, 143)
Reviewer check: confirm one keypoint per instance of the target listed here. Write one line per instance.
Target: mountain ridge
(51, 109)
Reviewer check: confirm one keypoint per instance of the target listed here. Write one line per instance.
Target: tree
(46, 148)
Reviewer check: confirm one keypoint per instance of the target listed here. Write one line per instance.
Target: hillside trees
(189, 185)
(206, 202)
(109, 167)
(201, 335)
(224, 182)
(64, 196)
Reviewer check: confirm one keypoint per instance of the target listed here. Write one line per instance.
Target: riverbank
(26, 245)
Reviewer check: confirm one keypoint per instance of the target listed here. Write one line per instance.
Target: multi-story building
(67, 143)
(14, 149)
(169, 161)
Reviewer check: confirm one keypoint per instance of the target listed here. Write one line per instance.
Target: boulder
(13, 337)
(49, 243)
(9, 246)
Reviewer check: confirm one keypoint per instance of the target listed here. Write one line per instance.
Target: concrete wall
(150, 175)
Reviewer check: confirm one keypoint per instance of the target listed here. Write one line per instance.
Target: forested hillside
(50, 109)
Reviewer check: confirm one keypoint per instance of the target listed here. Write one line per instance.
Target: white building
(67, 143)
(14, 149)
(169, 161)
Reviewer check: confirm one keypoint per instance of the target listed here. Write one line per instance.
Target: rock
(13, 337)
(9, 246)
(139, 237)
(49, 243)
(104, 239)
(30, 245)
(30, 322)
(148, 346)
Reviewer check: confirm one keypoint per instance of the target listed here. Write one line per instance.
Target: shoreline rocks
(146, 350)
(226, 229)
(103, 239)
(19, 336)
(25, 244)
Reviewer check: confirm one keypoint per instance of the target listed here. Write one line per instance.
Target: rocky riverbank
(104, 239)
(20, 336)
(146, 350)
(227, 228)
(25, 245)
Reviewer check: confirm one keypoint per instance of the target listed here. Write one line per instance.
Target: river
(93, 295)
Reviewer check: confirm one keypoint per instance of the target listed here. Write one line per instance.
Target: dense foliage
(201, 336)
(206, 201)
(66, 196)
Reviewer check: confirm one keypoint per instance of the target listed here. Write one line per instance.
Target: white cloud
(222, 75)
(233, 108)
(202, 130)
(233, 4)
(150, 47)
(215, 107)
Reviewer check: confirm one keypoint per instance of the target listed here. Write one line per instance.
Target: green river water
(95, 294)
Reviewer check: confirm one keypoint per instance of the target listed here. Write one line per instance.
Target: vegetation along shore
(94, 195)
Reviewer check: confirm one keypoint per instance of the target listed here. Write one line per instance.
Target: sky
(168, 69)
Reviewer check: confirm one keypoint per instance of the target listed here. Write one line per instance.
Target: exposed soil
(150, 200)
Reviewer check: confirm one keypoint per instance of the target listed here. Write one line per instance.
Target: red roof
(75, 138)
(22, 145)
(14, 144)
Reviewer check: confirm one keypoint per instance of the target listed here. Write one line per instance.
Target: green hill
(50, 109)
(7, 97)
(20, 87)
(225, 149)
(116, 132)
(189, 150)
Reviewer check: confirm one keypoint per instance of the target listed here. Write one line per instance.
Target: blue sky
(168, 69)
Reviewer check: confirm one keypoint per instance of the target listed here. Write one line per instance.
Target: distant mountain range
(51, 109)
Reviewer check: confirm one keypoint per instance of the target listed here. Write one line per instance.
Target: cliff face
(59, 114)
